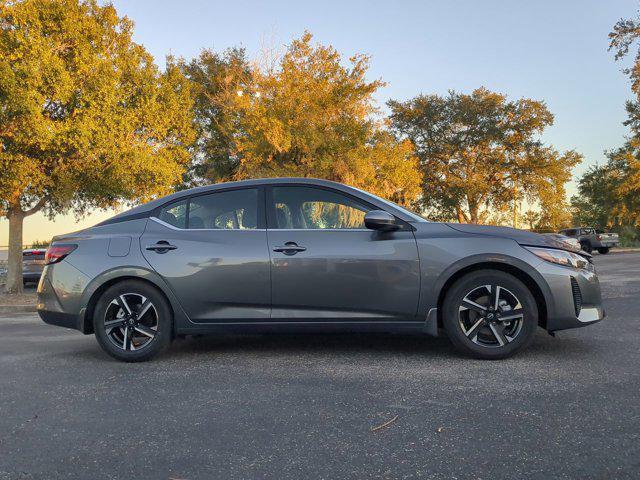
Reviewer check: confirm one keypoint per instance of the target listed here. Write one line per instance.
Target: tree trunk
(14, 266)
(473, 214)
(461, 216)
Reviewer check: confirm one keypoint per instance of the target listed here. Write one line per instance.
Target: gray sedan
(309, 255)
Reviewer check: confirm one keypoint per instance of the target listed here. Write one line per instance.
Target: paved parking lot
(304, 406)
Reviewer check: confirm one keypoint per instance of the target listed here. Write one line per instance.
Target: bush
(629, 236)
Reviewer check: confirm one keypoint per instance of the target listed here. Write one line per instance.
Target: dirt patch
(27, 298)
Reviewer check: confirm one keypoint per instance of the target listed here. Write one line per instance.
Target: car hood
(523, 237)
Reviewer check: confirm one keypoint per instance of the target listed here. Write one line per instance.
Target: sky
(554, 51)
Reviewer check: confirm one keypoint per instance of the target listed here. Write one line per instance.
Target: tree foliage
(609, 195)
(86, 118)
(217, 79)
(309, 116)
(480, 153)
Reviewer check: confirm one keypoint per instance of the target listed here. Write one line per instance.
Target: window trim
(272, 223)
(261, 214)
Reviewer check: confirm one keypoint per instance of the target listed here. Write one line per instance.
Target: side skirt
(305, 327)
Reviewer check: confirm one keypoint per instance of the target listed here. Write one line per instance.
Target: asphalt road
(279, 407)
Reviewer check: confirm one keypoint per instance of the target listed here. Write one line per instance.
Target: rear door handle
(161, 247)
(289, 248)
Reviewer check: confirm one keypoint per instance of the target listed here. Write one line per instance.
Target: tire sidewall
(165, 321)
(473, 280)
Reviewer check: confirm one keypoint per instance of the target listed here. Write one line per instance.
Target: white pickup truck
(593, 239)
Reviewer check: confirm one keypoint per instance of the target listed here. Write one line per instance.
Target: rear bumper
(31, 276)
(61, 319)
(576, 299)
(59, 296)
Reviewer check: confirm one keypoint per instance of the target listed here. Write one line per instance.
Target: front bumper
(576, 300)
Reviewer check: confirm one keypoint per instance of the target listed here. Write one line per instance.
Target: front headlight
(561, 257)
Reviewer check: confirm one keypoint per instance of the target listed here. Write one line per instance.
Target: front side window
(315, 208)
(231, 210)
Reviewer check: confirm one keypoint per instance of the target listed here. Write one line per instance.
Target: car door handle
(161, 247)
(289, 248)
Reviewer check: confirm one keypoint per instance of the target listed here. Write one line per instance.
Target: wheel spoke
(126, 339)
(512, 315)
(149, 332)
(144, 308)
(471, 305)
(499, 334)
(494, 291)
(119, 322)
(124, 305)
(473, 331)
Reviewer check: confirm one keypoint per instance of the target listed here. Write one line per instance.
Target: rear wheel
(490, 314)
(586, 246)
(132, 321)
(604, 250)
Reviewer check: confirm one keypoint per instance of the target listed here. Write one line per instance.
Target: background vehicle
(32, 264)
(308, 255)
(572, 243)
(591, 239)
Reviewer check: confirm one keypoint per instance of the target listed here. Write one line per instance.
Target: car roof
(144, 210)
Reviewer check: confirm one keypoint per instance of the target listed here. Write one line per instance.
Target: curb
(17, 309)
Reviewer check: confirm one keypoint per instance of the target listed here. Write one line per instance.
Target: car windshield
(414, 216)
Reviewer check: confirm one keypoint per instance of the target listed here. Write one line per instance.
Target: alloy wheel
(491, 316)
(131, 321)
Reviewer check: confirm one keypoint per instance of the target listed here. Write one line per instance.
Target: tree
(217, 79)
(623, 166)
(307, 116)
(86, 118)
(606, 195)
(480, 152)
(595, 201)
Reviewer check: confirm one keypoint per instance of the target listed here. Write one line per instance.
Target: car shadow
(311, 343)
(378, 344)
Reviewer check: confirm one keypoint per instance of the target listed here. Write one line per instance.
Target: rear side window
(175, 214)
(230, 210)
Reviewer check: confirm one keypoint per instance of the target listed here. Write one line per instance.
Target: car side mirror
(381, 221)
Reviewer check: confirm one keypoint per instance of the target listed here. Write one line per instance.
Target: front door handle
(161, 247)
(289, 248)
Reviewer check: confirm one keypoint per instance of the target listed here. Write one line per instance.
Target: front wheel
(586, 247)
(132, 321)
(490, 314)
(604, 250)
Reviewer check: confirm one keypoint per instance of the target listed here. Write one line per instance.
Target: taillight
(56, 253)
(599, 237)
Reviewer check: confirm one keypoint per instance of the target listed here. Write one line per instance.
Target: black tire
(479, 340)
(604, 250)
(586, 246)
(156, 321)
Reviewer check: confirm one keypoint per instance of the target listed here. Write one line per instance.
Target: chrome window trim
(320, 230)
(168, 225)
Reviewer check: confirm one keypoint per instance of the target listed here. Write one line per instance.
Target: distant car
(571, 242)
(305, 254)
(591, 239)
(32, 264)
